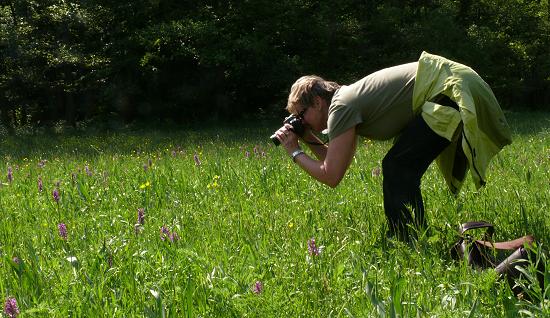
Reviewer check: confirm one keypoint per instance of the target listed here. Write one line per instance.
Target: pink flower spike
(164, 232)
(10, 174)
(258, 287)
(312, 247)
(141, 216)
(197, 160)
(173, 237)
(62, 230)
(10, 307)
(55, 195)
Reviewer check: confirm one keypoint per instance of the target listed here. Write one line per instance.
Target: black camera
(297, 127)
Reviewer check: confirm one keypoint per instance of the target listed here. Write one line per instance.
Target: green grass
(245, 219)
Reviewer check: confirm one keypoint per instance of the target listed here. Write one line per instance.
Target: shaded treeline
(190, 60)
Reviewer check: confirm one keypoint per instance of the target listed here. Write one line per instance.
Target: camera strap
(316, 143)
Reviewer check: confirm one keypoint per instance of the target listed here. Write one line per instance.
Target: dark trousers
(402, 167)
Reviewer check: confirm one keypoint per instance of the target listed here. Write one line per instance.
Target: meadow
(218, 222)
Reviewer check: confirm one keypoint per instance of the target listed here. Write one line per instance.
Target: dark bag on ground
(505, 257)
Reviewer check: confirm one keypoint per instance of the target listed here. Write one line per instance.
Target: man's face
(314, 116)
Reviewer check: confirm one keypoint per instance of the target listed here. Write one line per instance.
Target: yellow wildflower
(145, 185)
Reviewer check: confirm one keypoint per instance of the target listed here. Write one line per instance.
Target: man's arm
(318, 148)
(339, 154)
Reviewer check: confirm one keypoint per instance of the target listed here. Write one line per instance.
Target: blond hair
(304, 90)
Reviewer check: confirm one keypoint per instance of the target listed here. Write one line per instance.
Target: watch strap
(296, 153)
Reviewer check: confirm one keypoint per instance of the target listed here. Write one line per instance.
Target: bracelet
(296, 153)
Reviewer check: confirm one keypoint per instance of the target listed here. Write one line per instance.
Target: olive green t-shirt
(379, 105)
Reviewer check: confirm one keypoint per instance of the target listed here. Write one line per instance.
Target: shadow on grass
(124, 139)
(528, 123)
(94, 141)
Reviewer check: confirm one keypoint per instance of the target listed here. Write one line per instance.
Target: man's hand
(288, 139)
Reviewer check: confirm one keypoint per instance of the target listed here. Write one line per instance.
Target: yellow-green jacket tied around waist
(479, 121)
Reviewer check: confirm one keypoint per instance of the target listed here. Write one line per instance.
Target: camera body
(297, 127)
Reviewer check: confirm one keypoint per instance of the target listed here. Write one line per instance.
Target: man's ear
(318, 102)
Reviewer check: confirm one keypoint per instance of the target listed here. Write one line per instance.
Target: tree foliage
(189, 60)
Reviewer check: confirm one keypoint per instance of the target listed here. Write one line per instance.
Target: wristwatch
(296, 153)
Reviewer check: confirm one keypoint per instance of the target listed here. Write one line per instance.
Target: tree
(187, 60)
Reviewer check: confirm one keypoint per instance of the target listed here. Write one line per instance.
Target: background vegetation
(182, 60)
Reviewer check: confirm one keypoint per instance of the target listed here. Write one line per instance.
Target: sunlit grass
(243, 213)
